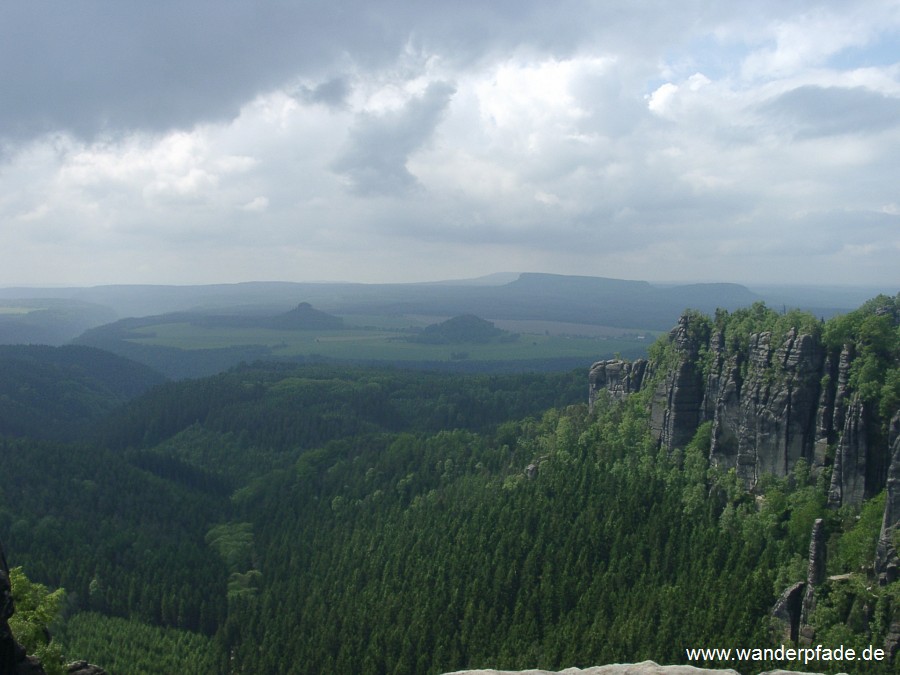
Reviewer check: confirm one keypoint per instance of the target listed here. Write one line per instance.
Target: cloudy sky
(221, 141)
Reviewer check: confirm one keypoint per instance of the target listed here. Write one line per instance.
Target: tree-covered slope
(313, 519)
(61, 392)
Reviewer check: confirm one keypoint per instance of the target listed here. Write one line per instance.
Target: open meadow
(376, 343)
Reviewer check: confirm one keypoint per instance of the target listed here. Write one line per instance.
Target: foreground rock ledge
(645, 668)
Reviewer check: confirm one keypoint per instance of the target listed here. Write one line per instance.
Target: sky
(195, 141)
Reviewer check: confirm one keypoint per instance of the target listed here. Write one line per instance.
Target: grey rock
(786, 614)
(616, 377)
(84, 668)
(678, 397)
(815, 575)
(644, 668)
(13, 659)
(825, 432)
(887, 562)
(30, 665)
(771, 404)
(892, 640)
(764, 421)
(852, 461)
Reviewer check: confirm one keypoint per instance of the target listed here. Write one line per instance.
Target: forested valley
(283, 518)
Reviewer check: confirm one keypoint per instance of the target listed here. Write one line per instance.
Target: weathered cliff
(13, 659)
(616, 377)
(773, 397)
(886, 559)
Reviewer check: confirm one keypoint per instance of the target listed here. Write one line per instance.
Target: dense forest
(330, 519)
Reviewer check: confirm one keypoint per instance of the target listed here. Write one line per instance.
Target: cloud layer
(215, 141)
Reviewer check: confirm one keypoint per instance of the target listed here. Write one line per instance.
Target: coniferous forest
(284, 518)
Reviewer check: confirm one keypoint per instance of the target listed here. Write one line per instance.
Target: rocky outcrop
(772, 402)
(887, 563)
(815, 575)
(764, 417)
(645, 668)
(786, 614)
(678, 395)
(13, 659)
(616, 377)
(84, 668)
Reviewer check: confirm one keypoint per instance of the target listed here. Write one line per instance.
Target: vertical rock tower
(774, 397)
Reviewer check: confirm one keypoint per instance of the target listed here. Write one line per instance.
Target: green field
(381, 344)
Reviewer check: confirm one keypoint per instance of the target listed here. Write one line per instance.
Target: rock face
(886, 559)
(772, 402)
(786, 614)
(84, 668)
(678, 395)
(305, 317)
(815, 575)
(852, 462)
(764, 421)
(616, 377)
(645, 668)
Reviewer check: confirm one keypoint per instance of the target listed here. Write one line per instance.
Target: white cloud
(656, 143)
(660, 101)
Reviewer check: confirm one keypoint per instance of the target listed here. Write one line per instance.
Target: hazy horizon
(219, 142)
(860, 291)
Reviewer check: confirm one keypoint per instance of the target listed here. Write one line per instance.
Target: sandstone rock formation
(887, 563)
(13, 659)
(815, 575)
(645, 668)
(786, 614)
(764, 421)
(773, 402)
(678, 395)
(617, 377)
(84, 668)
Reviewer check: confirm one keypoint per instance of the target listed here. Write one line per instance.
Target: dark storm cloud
(811, 111)
(94, 66)
(332, 92)
(380, 145)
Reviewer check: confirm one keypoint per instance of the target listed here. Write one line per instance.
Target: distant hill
(305, 317)
(59, 392)
(463, 329)
(527, 296)
(530, 296)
